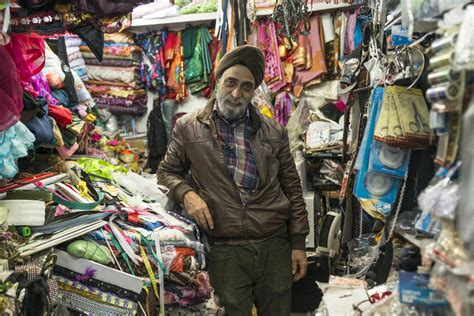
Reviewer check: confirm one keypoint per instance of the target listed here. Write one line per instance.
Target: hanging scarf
(283, 107)
(152, 68)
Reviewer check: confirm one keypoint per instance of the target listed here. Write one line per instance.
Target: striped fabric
(92, 301)
(235, 141)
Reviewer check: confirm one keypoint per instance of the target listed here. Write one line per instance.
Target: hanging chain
(399, 206)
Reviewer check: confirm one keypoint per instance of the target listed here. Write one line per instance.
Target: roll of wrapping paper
(442, 60)
(442, 93)
(444, 43)
(443, 75)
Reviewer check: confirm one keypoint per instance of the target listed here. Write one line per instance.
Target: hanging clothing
(10, 91)
(313, 50)
(267, 42)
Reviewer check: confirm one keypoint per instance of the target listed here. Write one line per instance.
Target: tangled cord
(291, 18)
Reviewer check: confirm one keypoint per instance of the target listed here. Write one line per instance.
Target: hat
(246, 55)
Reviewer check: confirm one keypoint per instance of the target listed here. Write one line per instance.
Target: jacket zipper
(243, 215)
(252, 137)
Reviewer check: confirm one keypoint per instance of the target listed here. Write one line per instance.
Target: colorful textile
(106, 101)
(14, 143)
(114, 91)
(124, 51)
(283, 107)
(132, 85)
(92, 301)
(314, 50)
(240, 161)
(189, 295)
(133, 57)
(152, 69)
(113, 74)
(267, 41)
(111, 62)
(10, 91)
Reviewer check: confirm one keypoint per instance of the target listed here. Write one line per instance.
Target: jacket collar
(205, 115)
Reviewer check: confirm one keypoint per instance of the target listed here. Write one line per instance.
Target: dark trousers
(254, 274)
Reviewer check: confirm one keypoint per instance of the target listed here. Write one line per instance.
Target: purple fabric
(123, 110)
(38, 84)
(88, 274)
(283, 107)
(195, 294)
(115, 101)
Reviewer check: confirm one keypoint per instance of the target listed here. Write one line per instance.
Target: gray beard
(231, 112)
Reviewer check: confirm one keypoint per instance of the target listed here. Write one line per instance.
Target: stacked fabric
(115, 82)
(121, 242)
(76, 61)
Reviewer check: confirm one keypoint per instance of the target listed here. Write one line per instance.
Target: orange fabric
(177, 265)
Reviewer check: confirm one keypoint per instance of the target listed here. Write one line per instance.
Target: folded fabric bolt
(25, 212)
(72, 49)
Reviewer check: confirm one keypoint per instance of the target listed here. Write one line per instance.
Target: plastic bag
(147, 187)
(464, 50)
(297, 124)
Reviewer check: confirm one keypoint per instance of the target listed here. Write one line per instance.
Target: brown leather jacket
(277, 208)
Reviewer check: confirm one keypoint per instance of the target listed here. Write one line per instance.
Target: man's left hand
(299, 264)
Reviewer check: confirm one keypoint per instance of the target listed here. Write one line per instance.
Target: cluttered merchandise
(363, 110)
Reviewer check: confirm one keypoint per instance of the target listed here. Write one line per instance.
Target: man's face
(235, 91)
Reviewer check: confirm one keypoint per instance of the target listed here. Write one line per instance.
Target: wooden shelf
(179, 22)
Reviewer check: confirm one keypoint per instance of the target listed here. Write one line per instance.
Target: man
(246, 192)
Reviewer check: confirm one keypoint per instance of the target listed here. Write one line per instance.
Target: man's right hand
(197, 209)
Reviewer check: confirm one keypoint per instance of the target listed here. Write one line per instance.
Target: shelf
(179, 22)
(421, 243)
(173, 23)
(323, 155)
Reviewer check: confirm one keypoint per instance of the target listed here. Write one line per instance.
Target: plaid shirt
(235, 141)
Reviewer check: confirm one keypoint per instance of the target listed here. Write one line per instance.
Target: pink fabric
(66, 153)
(349, 45)
(28, 54)
(11, 93)
(267, 42)
(318, 67)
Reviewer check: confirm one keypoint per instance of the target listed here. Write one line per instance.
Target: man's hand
(197, 209)
(299, 264)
